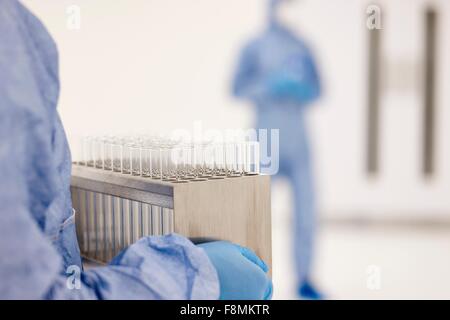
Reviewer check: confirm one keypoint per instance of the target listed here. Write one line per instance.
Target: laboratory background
(378, 132)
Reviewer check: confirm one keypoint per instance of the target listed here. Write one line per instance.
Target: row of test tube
(107, 224)
(170, 160)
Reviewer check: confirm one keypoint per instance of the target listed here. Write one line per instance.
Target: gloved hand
(284, 86)
(242, 274)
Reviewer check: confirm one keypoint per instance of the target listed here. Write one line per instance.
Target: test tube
(240, 158)
(170, 160)
(98, 151)
(188, 172)
(156, 163)
(219, 168)
(108, 155)
(126, 158)
(176, 156)
(208, 158)
(135, 160)
(252, 162)
(146, 162)
(117, 156)
(87, 151)
(230, 160)
(166, 164)
(197, 159)
(203, 160)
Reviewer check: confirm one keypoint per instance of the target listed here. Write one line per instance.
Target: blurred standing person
(277, 73)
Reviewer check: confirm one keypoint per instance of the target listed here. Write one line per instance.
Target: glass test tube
(98, 152)
(167, 164)
(117, 156)
(135, 160)
(108, 155)
(156, 163)
(180, 165)
(87, 151)
(230, 160)
(126, 159)
(252, 161)
(146, 162)
(208, 159)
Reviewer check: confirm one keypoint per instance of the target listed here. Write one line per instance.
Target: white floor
(369, 262)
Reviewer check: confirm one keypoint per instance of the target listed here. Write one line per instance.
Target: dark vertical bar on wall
(429, 92)
(373, 102)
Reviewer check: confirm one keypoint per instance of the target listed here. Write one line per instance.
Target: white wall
(337, 29)
(162, 64)
(149, 64)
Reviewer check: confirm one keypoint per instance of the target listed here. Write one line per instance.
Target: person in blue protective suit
(276, 72)
(37, 235)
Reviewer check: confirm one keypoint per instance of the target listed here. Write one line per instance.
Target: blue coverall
(277, 73)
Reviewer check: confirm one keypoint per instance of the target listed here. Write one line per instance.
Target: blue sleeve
(33, 155)
(167, 267)
(248, 82)
(28, 264)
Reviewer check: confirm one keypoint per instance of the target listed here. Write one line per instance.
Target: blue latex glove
(242, 274)
(284, 86)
